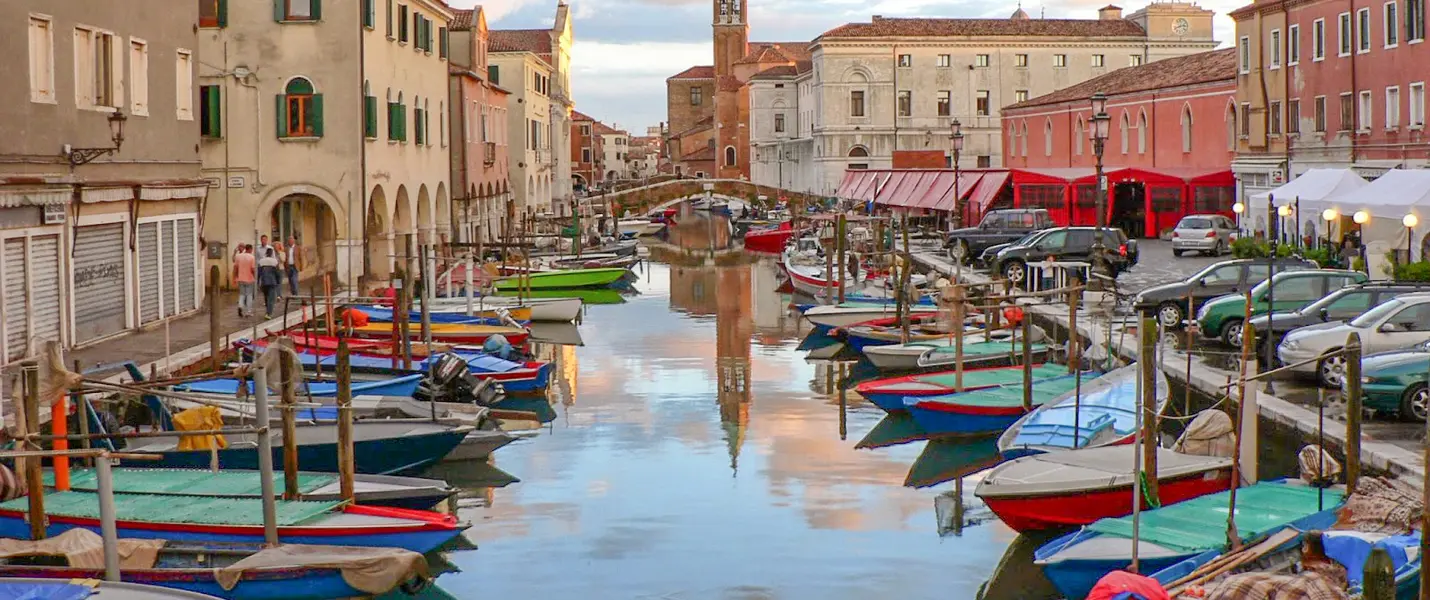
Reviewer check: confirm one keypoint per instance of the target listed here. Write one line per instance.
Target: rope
(1152, 501)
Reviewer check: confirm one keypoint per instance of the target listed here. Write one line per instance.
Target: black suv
(1169, 300)
(998, 227)
(1342, 304)
(1064, 244)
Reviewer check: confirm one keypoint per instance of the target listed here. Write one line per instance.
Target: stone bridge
(642, 199)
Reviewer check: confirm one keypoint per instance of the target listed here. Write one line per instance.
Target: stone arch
(1186, 127)
(732, 158)
(444, 213)
(402, 212)
(1079, 134)
(530, 191)
(425, 221)
(378, 236)
(1126, 131)
(857, 74)
(1142, 131)
(1023, 143)
(278, 192)
(858, 152)
(1231, 125)
(1048, 137)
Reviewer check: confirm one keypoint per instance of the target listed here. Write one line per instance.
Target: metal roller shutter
(99, 298)
(148, 242)
(185, 265)
(17, 330)
(45, 313)
(166, 266)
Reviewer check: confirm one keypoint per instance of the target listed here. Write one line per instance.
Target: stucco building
(480, 172)
(587, 153)
(616, 146)
(95, 243)
(1328, 85)
(535, 66)
(894, 85)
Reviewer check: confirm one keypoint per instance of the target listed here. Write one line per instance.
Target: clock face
(1180, 26)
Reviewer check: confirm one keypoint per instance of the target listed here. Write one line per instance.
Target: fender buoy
(1013, 314)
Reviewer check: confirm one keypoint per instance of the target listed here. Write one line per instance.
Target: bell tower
(731, 35)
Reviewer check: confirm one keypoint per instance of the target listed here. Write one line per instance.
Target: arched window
(1230, 127)
(1142, 132)
(858, 152)
(730, 156)
(300, 110)
(1024, 141)
(1126, 127)
(396, 117)
(1079, 132)
(1013, 139)
(1048, 138)
(1186, 129)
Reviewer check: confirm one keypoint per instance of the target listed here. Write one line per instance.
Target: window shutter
(223, 13)
(401, 122)
(279, 11)
(214, 114)
(391, 121)
(316, 119)
(317, 10)
(442, 40)
(427, 25)
(369, 13)
(280, 116)
(389, 19)
(369, 116)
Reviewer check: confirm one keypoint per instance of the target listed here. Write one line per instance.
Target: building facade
(616, 144)
(535, 66)
(100, 185)
(480, 169)
(587, 153)
(1328, 85)
(895, 85)
(690, 110)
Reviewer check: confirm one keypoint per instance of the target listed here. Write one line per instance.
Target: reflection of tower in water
(694, 290)
(734, 325)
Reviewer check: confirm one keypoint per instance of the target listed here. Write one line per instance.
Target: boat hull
(573, 279)
(1082, 507)
(947, 420)
(400, 455)
(542, 309)
(769, 241)
(283, 583)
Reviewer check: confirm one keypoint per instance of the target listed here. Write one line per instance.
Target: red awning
(988, 187)
(898, 189)
(967, 181)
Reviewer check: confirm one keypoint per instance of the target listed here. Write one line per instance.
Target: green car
(1395, 382)
(1222, 317)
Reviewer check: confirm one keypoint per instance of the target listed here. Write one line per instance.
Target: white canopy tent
(1316, 190)
(1387, 200)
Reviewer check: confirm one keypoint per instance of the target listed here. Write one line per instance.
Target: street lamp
(1329, 216)
(1098, 131)
(1283, 212)
(956, 139)
(1410, 221)
(79, 156)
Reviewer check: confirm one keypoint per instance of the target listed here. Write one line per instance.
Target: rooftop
(535, 41)
(885, 27)
(701, 72)
(1192, 69)
(462, 19)
(577, 115)
(779, 52)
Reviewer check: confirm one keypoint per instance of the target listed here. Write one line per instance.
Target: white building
(889, 85)
(616, 146)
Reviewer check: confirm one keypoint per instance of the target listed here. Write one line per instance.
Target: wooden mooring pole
(215, 325)
(265, 457)
(958, 316)
(288, 391)
(1354, 411)
(346, 462)
(34, 478)
(1147, 364)
(1027, 363)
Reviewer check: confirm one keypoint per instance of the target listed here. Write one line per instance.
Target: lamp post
(1273, 234)
(79, 156)
(956, 143)
(1410, 221)
(1100, 122)
(1238, 208)
(1329, 216)
(1282, 212)
(1362, 217)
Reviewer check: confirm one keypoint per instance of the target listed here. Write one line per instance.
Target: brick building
(587, 152)
(690, 110)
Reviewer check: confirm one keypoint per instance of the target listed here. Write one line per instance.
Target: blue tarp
(44, 591)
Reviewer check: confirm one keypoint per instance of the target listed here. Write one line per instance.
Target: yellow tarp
(199, 419)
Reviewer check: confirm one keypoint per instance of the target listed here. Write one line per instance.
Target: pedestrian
(244, 275)
(1348, 253)
(281, 253)
(263, 247)
(269, 281)
(293, 265)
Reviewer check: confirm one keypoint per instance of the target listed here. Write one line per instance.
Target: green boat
(587, 296)
(565, 280)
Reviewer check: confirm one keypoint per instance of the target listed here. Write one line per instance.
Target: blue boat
(398, 386)
(981, 412)
(385, 315)
(514, 377)
(1106, 415)
(30, 588)
(1181, 531)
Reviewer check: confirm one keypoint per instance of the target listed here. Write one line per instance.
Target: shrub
(1324, 256)
(1253, 248)
(1416, 271)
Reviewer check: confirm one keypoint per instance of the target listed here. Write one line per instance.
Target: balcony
(489, 153)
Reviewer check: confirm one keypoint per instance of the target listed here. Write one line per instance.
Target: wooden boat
(639, 227)
(396, 386)
(981, 412)
(889, 393)
(383, 314)
(847, 314)
(978, 349)
(1106, 415)
(44, 588)
(1072, 488)
(448, 332)
(369, 490)
(603, 261)
(808, 277)
(559, 309)
(770, 241)
(207, 519)
(213, 569)
(530, 376)
(604, 295)
(572, 279)
(1174, 533)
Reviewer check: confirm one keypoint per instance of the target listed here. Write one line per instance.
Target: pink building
(480, 183)
(1168, 152)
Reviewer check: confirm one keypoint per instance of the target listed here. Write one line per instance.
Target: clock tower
(731, 35)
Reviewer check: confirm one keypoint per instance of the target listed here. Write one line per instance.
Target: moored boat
(452, 333)
(1104, 415)
(981, 412)
(396, 386)
(889, 393)
(542, 309)
(369, 490)
(978, 350)
(569, 279)
(770, 241)
(41, 588)
(847, 314)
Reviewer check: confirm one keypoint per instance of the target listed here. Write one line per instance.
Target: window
(396, 118)
(779, 123)
(730, 157)
(184, 84)
(1023, 145)
(945, 103)
(402, 23)
(97, 75)
(1343, 34)
(906, 60)
(980, 60)
(1142, 133)
(1318, 39)
(494, 74)
(1020, 60)
(300, 110)
(1230, 120)
(1364, 121)
(1414, 20)
(1273, 50)
(1186, 130)
(945, 61)
(1079, 132)
(1348, 112)
(1417, 104)
(1134, 60)
(697, 96)
(1293, 116)
(419, 120)
(1126, 133)
(1048, 138)
(1392, 107)
(443, 42)
(213, 13)
(981, 103)
(586, 131)
(1320, 107)
(1020, 95)
(1293, 45)
(389, 19)
(138, 77)
(1060, 60)
(210, 112)
(369, 13)
(1363, 30)
(586, 155)
(1099, 60)
(369, 112)
(906, 103)
(1243, 53)
(297, 10)
(42, 60)
(1273, 121)
(1391, 27)
(1041, 196)
(985, 161)
(856, 103)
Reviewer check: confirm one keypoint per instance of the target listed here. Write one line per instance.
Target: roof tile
(884, 27)
(701, 72)
(462, 20)
(535, 41)
(1192, 69)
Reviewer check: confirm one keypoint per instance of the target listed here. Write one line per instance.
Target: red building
(480, 173)
(1168, 152)
(587, 151)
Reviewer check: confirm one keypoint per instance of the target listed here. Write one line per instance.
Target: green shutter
(316, 118)
(369, 13)
(443, 40)
(494, 74)
(278, 11)
(401, 122)
(223, 13)
(213, 111)
(280, 115)
(317, 10)
(369, 115)
(391, 121)
(421, 132)
(419, 32)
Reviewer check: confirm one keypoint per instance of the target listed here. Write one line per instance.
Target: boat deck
(190, 482)
(197, 510)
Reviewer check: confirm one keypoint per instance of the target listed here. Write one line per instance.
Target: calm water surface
(696, 454)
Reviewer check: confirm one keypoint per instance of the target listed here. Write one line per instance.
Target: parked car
(998, 227)
(1208, 234)
(1222, 317)
(1399, 322)
(1067, 244)
(1340, 305)
(1395, 381)
(1169, 300)
(985, 260)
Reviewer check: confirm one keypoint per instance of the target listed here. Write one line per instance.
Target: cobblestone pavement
(1156, 265)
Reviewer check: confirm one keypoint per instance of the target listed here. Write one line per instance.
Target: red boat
(769, 240)
(1074, 488)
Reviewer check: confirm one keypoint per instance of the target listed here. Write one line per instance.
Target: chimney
(878, 18)
(1109, 13)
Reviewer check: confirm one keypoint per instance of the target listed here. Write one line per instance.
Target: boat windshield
(1374, 315)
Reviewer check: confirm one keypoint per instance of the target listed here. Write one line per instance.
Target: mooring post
(958, 319)
(1074, 346)
(215, 326)
(1147, 363)
(1353, 410)
(289, 396)
(265, 457)
(1027, 364)
(108, 521)
(346, 463)
(34, 478)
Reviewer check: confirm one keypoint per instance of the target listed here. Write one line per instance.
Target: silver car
(1209, 234)
(1400, 322)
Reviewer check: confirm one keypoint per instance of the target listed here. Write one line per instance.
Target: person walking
(269, 281)
(244, 268)
(281, 253)
(293, 264)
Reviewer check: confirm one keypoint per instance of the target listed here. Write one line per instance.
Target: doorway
(1129, 209)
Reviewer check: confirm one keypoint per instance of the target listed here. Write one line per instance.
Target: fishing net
(1381, 506)
(1209, 434)
(1319, 581)
(1317, 465)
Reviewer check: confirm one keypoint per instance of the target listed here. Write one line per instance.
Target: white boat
(849, 313)
(542, 309)
(638, 227)
(940, 353)
(805, 263)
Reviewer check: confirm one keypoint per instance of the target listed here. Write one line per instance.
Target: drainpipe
(896, 106)
(362, 160)
(1355, 89)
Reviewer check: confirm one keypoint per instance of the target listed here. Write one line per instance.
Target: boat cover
(1121, 585)
(370, 570)
(195, 510)
(84, 549)
(189, 482)
(1259, 508)
(45, 590)
(972, 378)
(1352, 548)
(1085, 470)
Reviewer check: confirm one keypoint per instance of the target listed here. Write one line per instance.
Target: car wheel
(1415, 403)
(1170, 315)
(1331, 371)
(1176, 252)
(1231, 333)
(1016, 272)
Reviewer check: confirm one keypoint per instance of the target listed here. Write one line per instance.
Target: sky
(625, 49)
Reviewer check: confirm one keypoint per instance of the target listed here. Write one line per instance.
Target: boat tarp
(1260, 508)
(58, 590)
(971, 378)
(188, 482)
(84, 549)
(976, 348)
(370, 570)
(1121, 585)
(1011, 395)
(196, 510)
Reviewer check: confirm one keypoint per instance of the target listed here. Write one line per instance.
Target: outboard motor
(449, 380)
